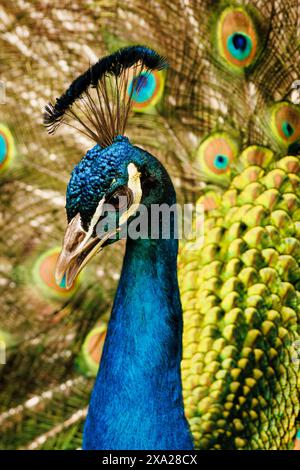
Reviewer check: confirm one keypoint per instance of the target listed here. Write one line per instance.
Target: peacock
(224, 121)
(111, 182)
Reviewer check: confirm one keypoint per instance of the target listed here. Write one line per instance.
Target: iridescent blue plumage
(137, 399)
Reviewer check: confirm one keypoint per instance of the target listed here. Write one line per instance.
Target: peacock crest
(100, 99)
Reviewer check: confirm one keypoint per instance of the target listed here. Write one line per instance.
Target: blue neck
(137, 399)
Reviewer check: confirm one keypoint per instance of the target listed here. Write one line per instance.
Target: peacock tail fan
(214, 73)
(224, 120)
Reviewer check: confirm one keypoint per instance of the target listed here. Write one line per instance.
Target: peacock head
(105, 193)
(114, 178)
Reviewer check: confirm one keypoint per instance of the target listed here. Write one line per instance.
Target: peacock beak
(79, 247)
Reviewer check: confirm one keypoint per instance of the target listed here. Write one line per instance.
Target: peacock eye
(215, 154)
(237, 38)
(146, 90)
(122, 198)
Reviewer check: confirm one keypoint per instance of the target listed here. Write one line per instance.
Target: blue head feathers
(103, 172)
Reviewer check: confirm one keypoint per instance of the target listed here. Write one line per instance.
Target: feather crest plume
(100, 99)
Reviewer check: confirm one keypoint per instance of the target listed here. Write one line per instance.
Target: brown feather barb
(100, 99)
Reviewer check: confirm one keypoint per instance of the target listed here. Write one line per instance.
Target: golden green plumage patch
(240, 365)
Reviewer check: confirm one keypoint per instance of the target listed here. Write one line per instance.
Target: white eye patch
(96, 217)
(134, 183)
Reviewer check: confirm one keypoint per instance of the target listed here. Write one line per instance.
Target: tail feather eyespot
(215, 155)
(285, 123)
(146, 90)
(237, 37)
